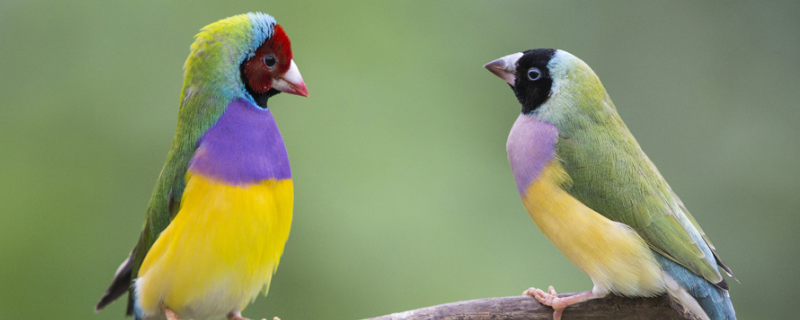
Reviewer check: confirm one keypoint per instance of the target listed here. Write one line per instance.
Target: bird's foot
(545, 298)
(171, 315)
(551, 298)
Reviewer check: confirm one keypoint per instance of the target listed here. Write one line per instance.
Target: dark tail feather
(724, 266)
(119, 286)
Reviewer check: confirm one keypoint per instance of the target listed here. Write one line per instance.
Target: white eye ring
(534, 74)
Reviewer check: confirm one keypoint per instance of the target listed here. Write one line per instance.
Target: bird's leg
(551, 298)
(171, 315)
(237, 315)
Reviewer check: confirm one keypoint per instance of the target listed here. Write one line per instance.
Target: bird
(592, 191)
(221, 210)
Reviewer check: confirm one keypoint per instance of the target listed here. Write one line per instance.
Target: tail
(120, 285)
(693, 291)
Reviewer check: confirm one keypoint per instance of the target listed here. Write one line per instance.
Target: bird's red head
(272, 67)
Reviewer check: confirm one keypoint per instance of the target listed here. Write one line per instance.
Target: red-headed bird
(221, 210)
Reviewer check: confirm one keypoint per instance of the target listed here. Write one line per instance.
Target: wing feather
(613, 176)
(164, 205)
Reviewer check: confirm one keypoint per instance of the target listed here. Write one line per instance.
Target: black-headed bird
(594, 193)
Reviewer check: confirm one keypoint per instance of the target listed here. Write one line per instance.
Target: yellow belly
(220, 250)
(612, 254)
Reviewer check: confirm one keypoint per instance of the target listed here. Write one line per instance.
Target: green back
(610, 172)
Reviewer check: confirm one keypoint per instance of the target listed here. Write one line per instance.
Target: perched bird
(594, 193)
(221, 210)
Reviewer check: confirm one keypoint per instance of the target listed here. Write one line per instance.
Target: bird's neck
(531, 146)
(243, 147)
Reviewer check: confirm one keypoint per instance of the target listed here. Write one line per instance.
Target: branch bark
(527, 308)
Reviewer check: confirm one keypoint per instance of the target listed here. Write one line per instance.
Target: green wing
(612, 175)
(164, 205)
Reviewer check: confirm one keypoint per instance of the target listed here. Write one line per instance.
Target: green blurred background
(404, 197)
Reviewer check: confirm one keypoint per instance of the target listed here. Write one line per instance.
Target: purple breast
(531, 146)
(243, 147)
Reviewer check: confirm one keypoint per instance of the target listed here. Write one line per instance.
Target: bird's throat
(243, 147)
(531, 146)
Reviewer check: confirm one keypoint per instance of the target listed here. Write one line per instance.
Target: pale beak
(291, 82)
(505, 67)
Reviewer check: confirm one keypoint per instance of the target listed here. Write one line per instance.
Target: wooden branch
(527, 308)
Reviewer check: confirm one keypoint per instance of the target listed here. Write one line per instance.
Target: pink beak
(505, 67)
(291, 82)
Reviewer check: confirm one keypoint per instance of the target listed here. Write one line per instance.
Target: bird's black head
(533, 83)
(528, 75)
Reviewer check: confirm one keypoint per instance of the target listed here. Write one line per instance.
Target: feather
(119, 285)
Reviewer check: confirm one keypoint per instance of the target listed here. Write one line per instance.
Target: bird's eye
(534, 74)
(270, 60)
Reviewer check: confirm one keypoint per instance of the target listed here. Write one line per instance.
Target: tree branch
(527, 308)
